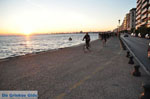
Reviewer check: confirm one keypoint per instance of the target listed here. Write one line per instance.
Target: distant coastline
(19, 34)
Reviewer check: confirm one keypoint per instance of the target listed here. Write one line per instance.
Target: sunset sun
(27, 32)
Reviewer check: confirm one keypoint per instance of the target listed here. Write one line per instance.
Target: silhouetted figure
(99, 34)
(87, 40)
(70, 39)
(104, 38)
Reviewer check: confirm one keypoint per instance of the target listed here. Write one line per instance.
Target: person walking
(104, 38)
(87, 40)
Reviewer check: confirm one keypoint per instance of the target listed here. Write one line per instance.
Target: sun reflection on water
(27, 41)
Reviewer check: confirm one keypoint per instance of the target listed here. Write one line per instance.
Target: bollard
(124, 47)
(146, 93)
(136, 71)
(128, 54)
(131, 60)
(122, 44)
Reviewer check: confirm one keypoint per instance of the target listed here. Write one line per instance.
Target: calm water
(11, 46)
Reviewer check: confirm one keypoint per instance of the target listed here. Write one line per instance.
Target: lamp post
(119, 22)
(118, 28)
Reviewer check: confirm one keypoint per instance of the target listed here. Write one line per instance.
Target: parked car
(147, 36)
(148, 52)
(133, 34)
(139, 35)
(126, 35)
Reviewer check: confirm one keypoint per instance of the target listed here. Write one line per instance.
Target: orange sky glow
(54, 16)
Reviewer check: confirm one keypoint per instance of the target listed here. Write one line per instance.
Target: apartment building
(132, 18)
(128, 21)
(143, 13)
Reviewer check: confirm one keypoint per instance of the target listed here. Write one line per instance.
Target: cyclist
(87, 40)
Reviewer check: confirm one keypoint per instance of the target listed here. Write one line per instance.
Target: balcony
(138, 22)
(145, 10)
(143, 23)
(144, 16)
(138, 25)
(139, 16)
(139, 8)
(138, 13)
(149, 9)
(137, 1)
(138, 4)
(148, 23)
(143, 1)
(149, 15)
(145, 4)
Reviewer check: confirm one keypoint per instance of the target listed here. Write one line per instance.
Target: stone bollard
(128, 54)
(124, 47)
(136, 71)
(122, 44)
(131, 60)
(146, 93)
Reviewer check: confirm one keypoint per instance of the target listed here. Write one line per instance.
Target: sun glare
(27, 32)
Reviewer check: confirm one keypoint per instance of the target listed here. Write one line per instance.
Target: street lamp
(118, 28)
(119, 22)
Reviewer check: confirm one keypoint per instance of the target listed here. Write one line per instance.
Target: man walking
(104, 38)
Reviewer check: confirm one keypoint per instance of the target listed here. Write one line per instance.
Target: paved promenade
(70, 73)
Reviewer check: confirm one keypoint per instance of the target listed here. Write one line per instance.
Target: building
(128, 21)
(115, 30)
(143, 13)
(132, 18)
(124, 23)
(148, 24)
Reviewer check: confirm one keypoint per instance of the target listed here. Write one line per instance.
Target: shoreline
(36, 53)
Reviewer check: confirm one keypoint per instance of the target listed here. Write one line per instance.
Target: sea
(12, 46)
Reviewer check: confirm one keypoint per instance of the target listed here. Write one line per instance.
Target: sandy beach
(70, 73)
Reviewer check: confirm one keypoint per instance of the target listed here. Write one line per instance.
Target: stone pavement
(70, 73)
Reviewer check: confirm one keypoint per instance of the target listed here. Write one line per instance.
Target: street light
(118, 28)
(119, 22)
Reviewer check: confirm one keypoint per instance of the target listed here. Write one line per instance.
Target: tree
(132, 30)
(143, 30)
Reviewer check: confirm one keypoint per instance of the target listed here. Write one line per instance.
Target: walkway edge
(140, 63)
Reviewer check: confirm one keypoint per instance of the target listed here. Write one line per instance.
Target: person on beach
(104, 38)
(87, 40)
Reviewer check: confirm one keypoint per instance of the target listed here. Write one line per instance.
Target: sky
(56, 16)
